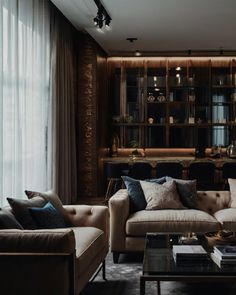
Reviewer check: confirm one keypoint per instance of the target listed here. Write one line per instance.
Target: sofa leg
(116, 257)
(104, 270)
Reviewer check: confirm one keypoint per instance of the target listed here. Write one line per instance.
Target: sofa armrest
(86, 215)
(119, 211)
(37, 261)
(37, 241)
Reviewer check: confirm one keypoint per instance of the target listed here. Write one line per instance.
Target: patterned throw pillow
(187, 190)
(135, 192)
(21, 212)
(161, 196)
(47, 217)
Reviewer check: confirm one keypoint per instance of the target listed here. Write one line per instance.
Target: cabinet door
(156, 104)
(198, 91)
(222, 99)
(134, 95)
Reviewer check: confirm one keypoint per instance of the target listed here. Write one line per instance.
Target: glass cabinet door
(134, 95)
(222, 92)
(156, 104)
(173, 102)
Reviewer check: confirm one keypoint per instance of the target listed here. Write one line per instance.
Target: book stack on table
(190, 254)
(224, 256)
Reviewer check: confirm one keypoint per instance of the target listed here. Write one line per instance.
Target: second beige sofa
(128, 231)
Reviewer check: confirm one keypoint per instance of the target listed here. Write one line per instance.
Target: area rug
(123, 279)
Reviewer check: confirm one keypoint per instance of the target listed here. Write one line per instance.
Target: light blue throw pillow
(47, 217)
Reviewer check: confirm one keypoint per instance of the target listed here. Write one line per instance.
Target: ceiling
(159, 25)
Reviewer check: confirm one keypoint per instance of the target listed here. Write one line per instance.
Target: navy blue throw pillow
(135, 192)
(47, 217)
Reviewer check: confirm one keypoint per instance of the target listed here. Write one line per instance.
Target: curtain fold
(24, 96)
(63, 95)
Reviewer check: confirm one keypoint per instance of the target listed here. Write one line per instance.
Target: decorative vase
(231, 150)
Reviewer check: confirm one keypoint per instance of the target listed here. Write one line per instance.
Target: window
(24, 97)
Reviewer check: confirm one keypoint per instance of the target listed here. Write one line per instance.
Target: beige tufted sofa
(55, 261)
(127, 231)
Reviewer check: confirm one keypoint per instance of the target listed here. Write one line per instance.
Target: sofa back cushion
(212, 201)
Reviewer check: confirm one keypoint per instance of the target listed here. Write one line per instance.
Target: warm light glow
(154, 78)
(178, 68)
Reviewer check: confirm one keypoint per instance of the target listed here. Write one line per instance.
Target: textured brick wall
(92, 65)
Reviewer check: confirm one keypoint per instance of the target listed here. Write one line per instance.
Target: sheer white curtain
(24, 96)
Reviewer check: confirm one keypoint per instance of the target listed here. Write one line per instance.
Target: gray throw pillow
(187, 190)
(159, 196)
(21, 212)
(135, 192)
(8, 220)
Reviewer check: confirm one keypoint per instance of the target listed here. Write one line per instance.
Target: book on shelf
(225, 251)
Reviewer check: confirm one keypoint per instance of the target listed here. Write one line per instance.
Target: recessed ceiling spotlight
(137, 53)
(131, 39)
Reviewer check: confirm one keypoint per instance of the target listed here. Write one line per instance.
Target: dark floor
(123, 279)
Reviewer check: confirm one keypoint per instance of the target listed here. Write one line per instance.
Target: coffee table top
(158, 258)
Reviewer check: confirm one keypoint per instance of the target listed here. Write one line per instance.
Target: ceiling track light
(102, 16)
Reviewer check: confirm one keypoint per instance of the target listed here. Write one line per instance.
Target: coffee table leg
(142, 286)
(158, 288)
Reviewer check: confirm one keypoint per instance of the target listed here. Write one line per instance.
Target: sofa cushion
(47, 217)
(53, 198)
(169, 220)
(227, 217)
(135, 192)
(89, 241)
(161, 196)
(21, 212)
(232, 188)
(187, 190)
(8, 220)
(213, 201)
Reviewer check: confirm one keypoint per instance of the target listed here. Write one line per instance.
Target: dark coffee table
(159, 265)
